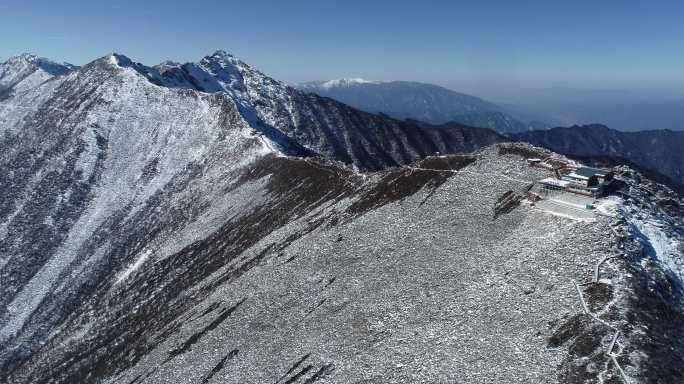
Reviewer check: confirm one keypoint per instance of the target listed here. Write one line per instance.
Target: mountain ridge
(279, 113)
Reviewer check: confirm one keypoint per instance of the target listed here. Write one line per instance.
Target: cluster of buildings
(570, 177)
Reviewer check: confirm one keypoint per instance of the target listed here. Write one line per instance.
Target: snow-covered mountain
(206, 223)
(412, 100)
(26, 71)
(298, 123)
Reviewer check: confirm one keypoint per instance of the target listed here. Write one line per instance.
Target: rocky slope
(419, 101)
(195, 223)
(656, 151)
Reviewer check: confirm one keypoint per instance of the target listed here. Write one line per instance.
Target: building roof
(554, 182)
(574, 176)
(588, 172)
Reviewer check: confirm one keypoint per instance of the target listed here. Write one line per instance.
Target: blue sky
(463, 45)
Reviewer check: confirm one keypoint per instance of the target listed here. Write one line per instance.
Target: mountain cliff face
(658, 151)
(410, 100)
(204, 223)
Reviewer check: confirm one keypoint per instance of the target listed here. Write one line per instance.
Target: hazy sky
(462, 45)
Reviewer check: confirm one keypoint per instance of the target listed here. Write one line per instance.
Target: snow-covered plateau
(205, 223)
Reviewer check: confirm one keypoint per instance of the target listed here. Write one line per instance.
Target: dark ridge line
(321, 373)
(135, 379)
(431, 192)
(143, 376)
(246, 266)
(317, 305)
(297, 364)
(197, 336)
(330, 281)
(400, 183)
(299, 374)
(220, 365)
(209, 309)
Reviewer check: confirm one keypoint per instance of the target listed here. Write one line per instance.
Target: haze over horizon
(484, 48)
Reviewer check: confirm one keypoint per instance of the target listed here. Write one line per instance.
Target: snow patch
(651, 230)
(133, 267)
(608, 206)
(346, 82)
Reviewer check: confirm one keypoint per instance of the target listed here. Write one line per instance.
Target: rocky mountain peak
(27, 70)
(220, 54)
(233, 73)
(31, 61)
(167, 64)
(23, 58)
(226, 61)
(119, 59)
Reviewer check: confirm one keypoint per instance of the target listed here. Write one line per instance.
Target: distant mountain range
(425, 102)
(660, 151)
